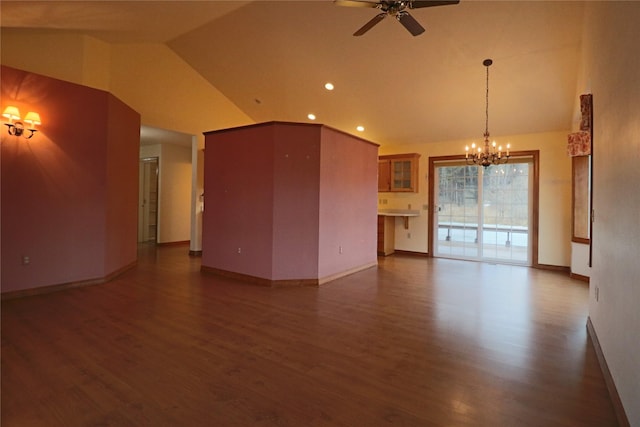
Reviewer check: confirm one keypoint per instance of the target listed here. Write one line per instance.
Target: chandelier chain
(490, 153)
(486, 111)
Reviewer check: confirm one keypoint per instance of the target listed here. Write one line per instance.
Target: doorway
(484, 214)
(148, 200)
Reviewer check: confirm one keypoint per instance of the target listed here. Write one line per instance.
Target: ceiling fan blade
(410, 24)
(369, 25)
(356, 3)
(429, 3)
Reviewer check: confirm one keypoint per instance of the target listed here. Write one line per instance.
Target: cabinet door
(398, 172)
(384, 175)
(402, 175)
(386, 235)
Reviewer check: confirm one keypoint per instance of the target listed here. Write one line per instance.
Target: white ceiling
(271, 58)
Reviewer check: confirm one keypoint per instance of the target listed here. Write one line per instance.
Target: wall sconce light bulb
(17, 128)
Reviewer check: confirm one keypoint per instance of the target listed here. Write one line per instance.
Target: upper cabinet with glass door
(398, 173)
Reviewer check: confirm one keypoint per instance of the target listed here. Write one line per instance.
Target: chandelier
(490, 154)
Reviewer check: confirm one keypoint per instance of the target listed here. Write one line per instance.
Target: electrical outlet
(425, 207)
(409, 206)
(408, 235)
(340, 249)
(26, 260)
(239, 250)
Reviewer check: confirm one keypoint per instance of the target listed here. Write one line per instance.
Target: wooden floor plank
(414, 342)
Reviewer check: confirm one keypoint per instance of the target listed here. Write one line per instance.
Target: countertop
(398, 212)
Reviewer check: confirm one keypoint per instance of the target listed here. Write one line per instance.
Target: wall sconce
(17, 128)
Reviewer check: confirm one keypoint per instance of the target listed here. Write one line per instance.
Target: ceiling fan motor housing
(395, 8)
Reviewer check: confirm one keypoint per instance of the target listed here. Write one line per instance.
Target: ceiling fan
(394, 8)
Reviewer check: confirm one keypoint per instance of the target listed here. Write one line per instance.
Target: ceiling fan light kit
(395, 8)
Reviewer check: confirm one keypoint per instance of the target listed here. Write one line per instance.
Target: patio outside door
(483, 214)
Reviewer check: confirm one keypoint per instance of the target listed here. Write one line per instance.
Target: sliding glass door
(483, 214)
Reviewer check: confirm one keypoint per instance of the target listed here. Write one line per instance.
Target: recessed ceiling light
(311, 116)
(328, 86)
(360, 128)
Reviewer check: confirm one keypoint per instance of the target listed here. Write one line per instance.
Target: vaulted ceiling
(272, 58)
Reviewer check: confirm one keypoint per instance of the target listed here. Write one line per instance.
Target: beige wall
(175, 167)
(610, 71)
(86, 60)
(18, 48)
(96, 64)
(580, 259)
(555, 193)
(152, 79)
(148, 77)
(174, 190)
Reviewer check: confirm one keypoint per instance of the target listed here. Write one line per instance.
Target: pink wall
(123, 145)
(238, 195)
(66, 192)
(266, 188)
(348, 201)
(296, 203)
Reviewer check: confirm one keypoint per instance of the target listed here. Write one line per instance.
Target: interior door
(148, 199)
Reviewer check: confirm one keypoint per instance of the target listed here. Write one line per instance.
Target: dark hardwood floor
(415, 342)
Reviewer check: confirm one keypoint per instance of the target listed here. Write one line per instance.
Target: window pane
(493, 228)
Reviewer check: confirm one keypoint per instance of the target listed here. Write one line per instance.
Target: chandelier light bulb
(490, 153)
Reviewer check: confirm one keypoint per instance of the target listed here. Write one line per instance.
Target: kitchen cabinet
(398, 173)
(387, 227)
(386, 235)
